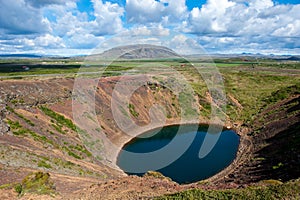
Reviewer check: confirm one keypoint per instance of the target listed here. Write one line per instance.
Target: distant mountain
(292, 58)
(20, 56)
(142, 51)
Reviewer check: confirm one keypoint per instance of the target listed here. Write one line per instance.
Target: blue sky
(76, 27)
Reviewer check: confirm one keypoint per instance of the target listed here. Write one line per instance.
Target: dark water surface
(188, 167)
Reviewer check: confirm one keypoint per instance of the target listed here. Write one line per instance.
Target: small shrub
(71, 153)
(13, 125)
(18, 188)
(38, 183)
(156, 175)
(133, 111)
(42, 163)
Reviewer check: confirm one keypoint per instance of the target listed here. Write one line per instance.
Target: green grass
(282, 93)
(20, 116)
(38, 183)
(14, 67)
(289, 190)
(6, 186)
(186, 101)
(71, 153)
(132, 110)
(251, 90)
(17, 101)
(62, 163)
(13, 125)
(60, 119)
(43, 163)
(58, 128)
(41, 138)
(156, 175)
(81, 149)
(18, 130)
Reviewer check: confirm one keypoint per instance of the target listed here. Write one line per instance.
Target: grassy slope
(257, 92)
(250, 87)
(289, 190)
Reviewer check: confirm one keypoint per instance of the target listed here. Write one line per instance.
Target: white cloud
(143, 11)
(248, 25)
(289, 30)
(137, 35)
(108, 18)
(69, 21)
(184, 45)
(239, 17)
(63, 27)
(16, 17)
(211, 17)
(220, 25)
(84, 41)
(78, 31)
(49, 41)
(175, 10)
(38, 44)
(261, 4)
(153, 11)
(157, 30)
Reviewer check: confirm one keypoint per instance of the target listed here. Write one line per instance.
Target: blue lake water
(153, 152)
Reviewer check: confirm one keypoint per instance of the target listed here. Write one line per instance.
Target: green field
(250, 82)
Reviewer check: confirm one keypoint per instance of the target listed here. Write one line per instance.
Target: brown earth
(90, 177)
(273, 147)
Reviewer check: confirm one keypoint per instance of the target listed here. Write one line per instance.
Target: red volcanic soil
(38, 142)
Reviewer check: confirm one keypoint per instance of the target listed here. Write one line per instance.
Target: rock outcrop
(4, 128)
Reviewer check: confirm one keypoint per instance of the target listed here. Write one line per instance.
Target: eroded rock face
(22, 93)
(4, 128)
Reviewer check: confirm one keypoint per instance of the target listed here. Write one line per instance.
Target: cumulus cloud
(261, 4)
(184, 45)
(157, 30)
(20, 44)
(16, 17)
(239, 17)
(143, 11)
(80, 32)
(153, 11)
(241, 24)
(218, 25)
(63, 27)
(84, 41)
(49, 41)
(108, 18)
(155, 35)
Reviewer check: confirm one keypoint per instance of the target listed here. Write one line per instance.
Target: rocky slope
(275, 147)
(38, 133)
